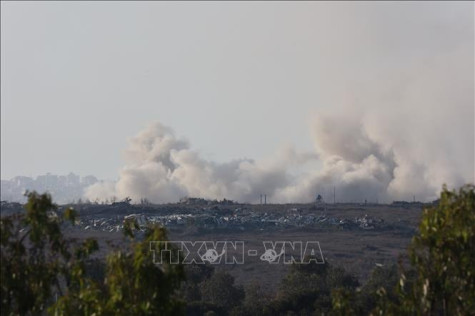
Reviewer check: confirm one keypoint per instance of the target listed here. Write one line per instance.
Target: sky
(235, 79)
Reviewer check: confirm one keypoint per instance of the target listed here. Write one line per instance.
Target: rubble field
(356, 236)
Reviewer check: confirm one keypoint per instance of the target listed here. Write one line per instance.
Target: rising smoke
(163, 168)
(410, 133)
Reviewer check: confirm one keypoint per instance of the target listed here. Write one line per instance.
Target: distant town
(64, 188)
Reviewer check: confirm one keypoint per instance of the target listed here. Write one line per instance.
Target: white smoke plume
(406, 136)
(414, 133)
(163, 168)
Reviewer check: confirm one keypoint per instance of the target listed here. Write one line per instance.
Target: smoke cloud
(409, 133)
(163, 168)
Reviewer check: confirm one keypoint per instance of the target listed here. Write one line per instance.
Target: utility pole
(265, 199)
(334, 195)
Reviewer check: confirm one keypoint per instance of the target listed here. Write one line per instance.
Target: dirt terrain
(355, 236)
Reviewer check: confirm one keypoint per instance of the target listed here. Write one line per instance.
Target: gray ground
(354, 236)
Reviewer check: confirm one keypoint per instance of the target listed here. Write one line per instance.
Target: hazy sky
(237, 79)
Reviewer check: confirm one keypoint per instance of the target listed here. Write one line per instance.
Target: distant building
(319, 199)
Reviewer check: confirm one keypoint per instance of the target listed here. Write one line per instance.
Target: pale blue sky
(237, 79)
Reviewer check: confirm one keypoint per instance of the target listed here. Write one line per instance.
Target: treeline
(42, 272)
(306, 290)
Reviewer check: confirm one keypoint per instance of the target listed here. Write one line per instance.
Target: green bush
(443, 255)
(43, 271)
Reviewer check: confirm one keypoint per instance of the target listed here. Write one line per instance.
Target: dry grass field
(358, 250)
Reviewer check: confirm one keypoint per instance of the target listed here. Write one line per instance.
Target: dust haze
(379, 144)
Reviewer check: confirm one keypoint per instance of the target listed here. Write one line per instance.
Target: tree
(133, 283)
(257, 300)
(38, 265)
(443, 254)
(441, 277)
(307, 288)
(383, 280)
(442, 260)
(34, 256)
(221, 291)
